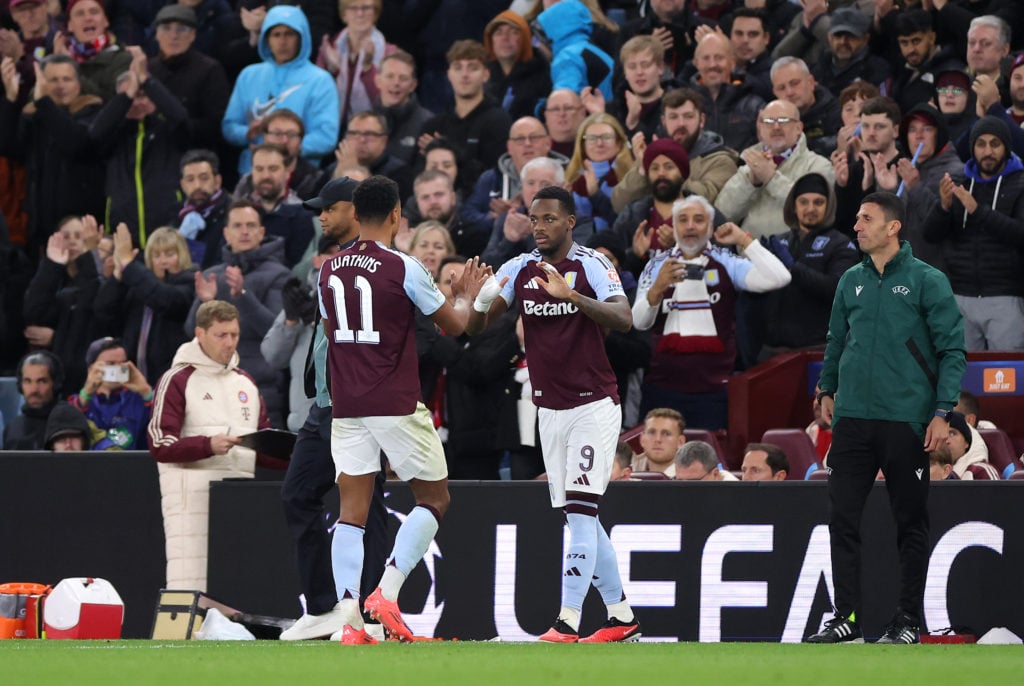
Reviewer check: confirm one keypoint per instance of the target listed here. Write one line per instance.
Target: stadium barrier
(705, 562)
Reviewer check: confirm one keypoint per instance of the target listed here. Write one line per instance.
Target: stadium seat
(649, 476)
(983, 471)
(818, 475)
(803, 458)
(632, 438)
(1001, 452)
(708, 437)
(1017, 475)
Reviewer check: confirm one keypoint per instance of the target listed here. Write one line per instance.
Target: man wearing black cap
(198, 81)
(311, 469)
(980, 228)
(816, 254)
(848, 58)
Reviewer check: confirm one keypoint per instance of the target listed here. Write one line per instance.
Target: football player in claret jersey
(368, 294)
(568, 296)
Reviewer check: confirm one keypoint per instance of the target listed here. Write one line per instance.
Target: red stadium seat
(1001, 452)
(632, 438)
(649, 476)
(803, 458)
(1017, 475)
(983, 471)
(708, 437)
(818, 475)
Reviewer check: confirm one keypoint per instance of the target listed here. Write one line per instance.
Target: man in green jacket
(893, 365)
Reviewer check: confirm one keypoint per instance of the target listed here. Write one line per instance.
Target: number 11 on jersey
(344, 333)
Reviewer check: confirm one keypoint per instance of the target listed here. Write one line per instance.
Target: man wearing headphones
(40, 375)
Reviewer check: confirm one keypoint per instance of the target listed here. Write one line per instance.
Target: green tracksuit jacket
(895, 342)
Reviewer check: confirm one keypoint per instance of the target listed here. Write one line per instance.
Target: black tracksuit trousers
(860, 447)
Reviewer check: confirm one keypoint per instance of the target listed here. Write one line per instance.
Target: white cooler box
(83, 608)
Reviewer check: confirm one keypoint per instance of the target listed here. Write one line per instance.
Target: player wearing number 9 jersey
(568, 296)
(368, 293)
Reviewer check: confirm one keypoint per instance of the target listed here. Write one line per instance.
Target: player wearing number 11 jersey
(368, 297)
(568, 296)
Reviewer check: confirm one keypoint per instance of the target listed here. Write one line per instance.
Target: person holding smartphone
(115, 396)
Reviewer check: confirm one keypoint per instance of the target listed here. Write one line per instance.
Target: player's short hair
(696, 451)
(638, 44)
(892, 206)
(213, 311)
(776, 459)
(882, 105)
(564, 198)
(199, 155)
(468, 50)
(374, 199)
(667, 413)
(677, 97)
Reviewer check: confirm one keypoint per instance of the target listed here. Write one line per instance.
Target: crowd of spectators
(155, 156)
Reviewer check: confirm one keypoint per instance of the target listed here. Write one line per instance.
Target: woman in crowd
(353, 56)
(600, 159)
(431, 243)
(146, 302)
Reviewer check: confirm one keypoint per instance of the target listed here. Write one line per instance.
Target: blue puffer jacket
(577, 62)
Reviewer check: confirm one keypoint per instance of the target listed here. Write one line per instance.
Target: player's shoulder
(589, 257)
(516, 264)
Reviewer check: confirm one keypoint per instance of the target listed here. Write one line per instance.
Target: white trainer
(316, 626)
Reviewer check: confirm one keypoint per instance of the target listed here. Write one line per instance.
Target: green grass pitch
(259, 663)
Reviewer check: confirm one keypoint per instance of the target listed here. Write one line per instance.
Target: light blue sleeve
(568, 71)
(420, 287)
(735, 266)
(321, 114)
(235, 125)
(511, 270)
(603, 277)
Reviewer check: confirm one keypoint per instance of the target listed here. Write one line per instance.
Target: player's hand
(936, 434)
(555, 285)
(221, 443)
(828, 406)
(472, 280)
